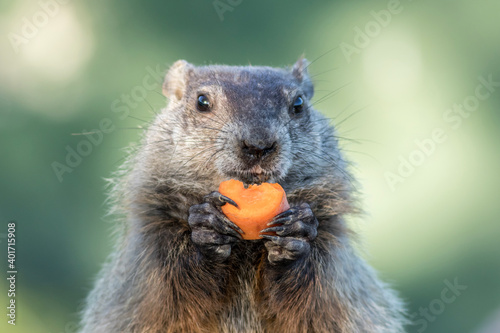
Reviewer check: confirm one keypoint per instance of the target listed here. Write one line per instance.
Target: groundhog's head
(249, 123)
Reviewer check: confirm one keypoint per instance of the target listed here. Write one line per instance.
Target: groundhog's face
(246, 123)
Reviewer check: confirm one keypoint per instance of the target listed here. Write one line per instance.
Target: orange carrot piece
(257, 205)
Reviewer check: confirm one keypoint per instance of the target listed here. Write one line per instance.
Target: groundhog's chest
(240, 314)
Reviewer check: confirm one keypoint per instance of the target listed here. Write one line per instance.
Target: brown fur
(158, 281)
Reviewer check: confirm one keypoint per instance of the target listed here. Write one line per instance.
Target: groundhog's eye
(203, 104)
(298, 105)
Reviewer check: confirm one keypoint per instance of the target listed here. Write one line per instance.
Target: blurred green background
(66, 67)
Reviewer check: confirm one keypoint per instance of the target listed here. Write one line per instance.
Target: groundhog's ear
(174, 85)
(299, 70)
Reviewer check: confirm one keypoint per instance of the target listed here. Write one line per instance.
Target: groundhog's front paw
(211, 231)
(294, 229)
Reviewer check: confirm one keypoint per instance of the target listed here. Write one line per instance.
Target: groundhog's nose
(257, 149)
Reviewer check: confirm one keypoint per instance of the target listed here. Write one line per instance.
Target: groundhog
(181, 266)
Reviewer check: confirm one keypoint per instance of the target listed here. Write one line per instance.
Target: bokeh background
(67, 65)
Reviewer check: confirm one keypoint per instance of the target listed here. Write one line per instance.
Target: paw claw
(281, 220)
(238, 230)
(271, 238)
(272, 229)
(286, 213)
(218, 199)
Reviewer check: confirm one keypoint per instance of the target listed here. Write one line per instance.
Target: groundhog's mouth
(255, 178)
(255, 175)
